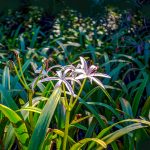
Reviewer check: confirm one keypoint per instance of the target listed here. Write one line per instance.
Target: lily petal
(80, 71)
(97, 81)
(59, 73)
(100, 75)
(81, 76)
(68, 87)
(58, 84)
(33, 83)
(72, 79)
(83, 63)
(66, 71)
(48, 79)
(56, 66)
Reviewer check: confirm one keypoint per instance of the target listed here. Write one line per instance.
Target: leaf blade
(44, 120)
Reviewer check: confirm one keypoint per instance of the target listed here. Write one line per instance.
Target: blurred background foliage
(86, 7)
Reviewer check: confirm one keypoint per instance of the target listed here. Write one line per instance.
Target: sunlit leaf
(44, 120)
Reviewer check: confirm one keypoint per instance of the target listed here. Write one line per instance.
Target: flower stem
(79, 93)
(25, 86)
(65, 95)
(21, 72)
(66, 128)
(71, 98)
(30, 94)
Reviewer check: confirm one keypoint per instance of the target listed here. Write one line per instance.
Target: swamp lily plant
(33, 132)
(66, 78)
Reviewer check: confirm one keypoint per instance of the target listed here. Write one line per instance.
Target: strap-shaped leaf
(44, 120)
(117, 134)
(126, 107)
(32, 109)
(138, 95)
(6, 98)
(61, 133)
(6, 78)
(86, 140)
(18, 125)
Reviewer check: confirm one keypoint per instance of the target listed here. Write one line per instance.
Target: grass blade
(126, 108)
(6, 78)
(86, 140)
(115, 135)
(44, 121)
(138, 96)
(34, 38)
(18, 125)
(6, 98)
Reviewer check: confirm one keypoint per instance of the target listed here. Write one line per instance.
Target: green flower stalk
(66, 128)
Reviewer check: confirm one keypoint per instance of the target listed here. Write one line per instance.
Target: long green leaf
(19, 126)
(6, 98)
(126, 108)
(138, 96)
(9, 138)
(107, 66)
(146, 108)
(86, 140)
(6, 78)
(44, 121)
(106, 106)
(106, 130)
(140, 65)
(34, 37)
(115, 135)
(32, 109)
(92, 92)
(94, 112)
(60, 133)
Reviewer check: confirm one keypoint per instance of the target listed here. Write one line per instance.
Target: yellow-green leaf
(86, 140)
(19, 126)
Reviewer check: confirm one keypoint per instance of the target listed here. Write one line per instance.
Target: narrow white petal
(56, 66)
(81, 76)
(33, 83)
(66, 71)
(84, 64)
(97, 81)
(78, 66)
(68, 87)
(48, 79)
(69, 66)
(79, 71)
(58, 83)
(72, 79)
(59, 73)
(100, 75)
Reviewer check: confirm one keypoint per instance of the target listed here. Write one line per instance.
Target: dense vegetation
(69, 81)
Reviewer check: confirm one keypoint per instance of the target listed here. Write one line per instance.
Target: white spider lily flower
(89, 72)
(62, 79)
